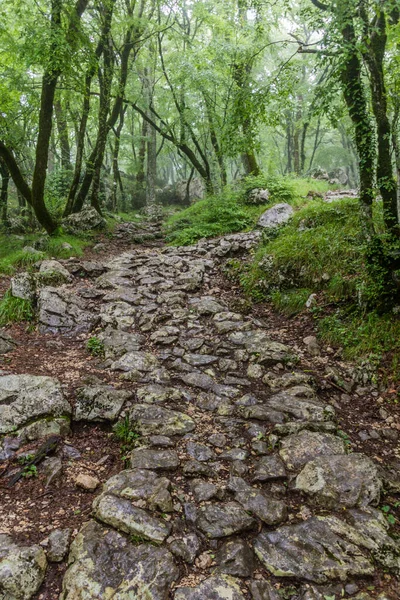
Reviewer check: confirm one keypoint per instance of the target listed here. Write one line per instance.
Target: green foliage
(13, 257)
(290, 302)
(216, 215)
(25, 458)
(30, 471)
(280, 189)
(126, 431)
(95, 346)
(15, 310)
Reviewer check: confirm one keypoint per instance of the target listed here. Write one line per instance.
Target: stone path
(238, 485)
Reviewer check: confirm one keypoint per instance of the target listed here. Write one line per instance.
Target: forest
(199, 299)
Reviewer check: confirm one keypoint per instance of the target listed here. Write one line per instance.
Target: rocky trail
(249, 463)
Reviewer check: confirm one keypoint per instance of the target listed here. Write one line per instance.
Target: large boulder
(22, 569)
(28, 398)
(276, 216)
(105, 564)
(86, 220)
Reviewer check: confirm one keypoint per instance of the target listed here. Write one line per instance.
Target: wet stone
(159, 460)
(156, 420)
(269, 510)
(186, 547)
(312, 551)
(223, 520)
(104, 563)
(142, 487)
(269, 468)
(349, 480)
(99, 403)
(200, 452)
(58, 544)
(22, 569)
(123, 516)
(203, 490)
(236, 558)
(297, 450)
(220, 587)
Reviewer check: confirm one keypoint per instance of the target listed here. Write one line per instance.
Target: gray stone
(154, 419)
(142, 487)
(159, 460)
(203, 490)
(135, 361)
(269, 510)
(221, 587)
(349, 480)
(99, 403)
(87, 219)
(7, 344)
(222, 520)
(269, 468)
(200, 360)
(22, 569)
(261, 347)
(58, 544)
(276, 216)
(299, 403)
(155, 393)
(325, 548)
(122, 515)
(200, 451)
(24, 398)
(23, 286)
(52, 469)
(236, 558)
(186, 547)
(207, 305)
(263, 590)
(105, 564)
(297, 450)
(63, 311)
(54, 272)
(117, 342)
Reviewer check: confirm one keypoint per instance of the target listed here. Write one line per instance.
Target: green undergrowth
(13, 256)
(321, 251)
(234, 210)
(15, 310)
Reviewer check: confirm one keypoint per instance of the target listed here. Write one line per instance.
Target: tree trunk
(374, 55)
(140, 177)
(351, 75)
(63, 136)
(116, 174)
(5, 180)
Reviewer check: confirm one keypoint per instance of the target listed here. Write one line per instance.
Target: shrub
(280, 189)
(15, 310)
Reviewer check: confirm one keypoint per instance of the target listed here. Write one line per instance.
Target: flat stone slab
(312, 551)
(99, 403)
(22, 569)
(221, 587)
(122, 515)
(298, 405)
(349, 480)
(157, 460)
(105, 564)
(135, 361)
(222, 520)
(260, 345)
(156, 420)
(297, 450)
(269, 510)
(63, 311)
(26, 398)
(142, 487)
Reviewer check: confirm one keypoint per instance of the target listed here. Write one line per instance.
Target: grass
(232, 210)
(14, 257)
(15, 310)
